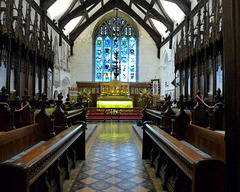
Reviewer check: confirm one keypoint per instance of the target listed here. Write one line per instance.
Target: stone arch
(64, 88)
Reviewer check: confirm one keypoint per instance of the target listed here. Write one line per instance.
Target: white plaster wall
(167, 68)
(148, 60)
(81, 61)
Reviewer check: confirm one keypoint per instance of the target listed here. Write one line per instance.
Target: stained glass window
(115, 44)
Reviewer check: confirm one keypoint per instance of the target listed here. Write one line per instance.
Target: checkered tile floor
(113, 163)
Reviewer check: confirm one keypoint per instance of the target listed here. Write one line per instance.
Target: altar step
(114, 117)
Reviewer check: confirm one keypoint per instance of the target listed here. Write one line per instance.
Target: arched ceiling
(157, 17)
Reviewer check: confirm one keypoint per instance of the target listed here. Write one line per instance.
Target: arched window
(115, 43)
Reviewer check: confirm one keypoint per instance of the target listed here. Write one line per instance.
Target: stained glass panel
(115, 57)
(124, 59)
(115, 35)
(107, 59)
(132, 59)
(99, 59)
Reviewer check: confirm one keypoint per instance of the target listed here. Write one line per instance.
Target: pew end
(209, 176)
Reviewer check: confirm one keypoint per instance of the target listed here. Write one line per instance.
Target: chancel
(119, 95)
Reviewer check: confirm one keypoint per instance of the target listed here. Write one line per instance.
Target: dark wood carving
(59, 116)
(167, 115)
(43, 118)
(197, 51)
(180, 167)
(180, 121)
(6, 115)
(44, 167)
(199, 113)
(24, 114)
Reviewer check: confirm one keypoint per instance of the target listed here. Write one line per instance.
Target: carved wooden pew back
(180, 167)
(15, 141)
(45, 167)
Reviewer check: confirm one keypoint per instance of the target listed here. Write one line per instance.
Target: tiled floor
(113, 162)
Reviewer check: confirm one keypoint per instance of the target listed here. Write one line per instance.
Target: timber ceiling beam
(107, 7)
(81, 1)
(45, 4)
(124, 7)
(76, 12)
(147, 6)
(184, 5)
(69, 9)
(158, 2)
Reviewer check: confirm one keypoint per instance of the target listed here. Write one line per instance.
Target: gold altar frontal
(115, 102)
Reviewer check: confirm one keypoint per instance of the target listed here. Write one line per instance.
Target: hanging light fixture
(116, 67)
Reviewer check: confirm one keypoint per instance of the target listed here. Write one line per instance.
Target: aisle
(113, 163)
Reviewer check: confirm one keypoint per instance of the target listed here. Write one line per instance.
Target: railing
(114, 113)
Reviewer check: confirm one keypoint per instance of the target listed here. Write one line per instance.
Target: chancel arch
(115, 40)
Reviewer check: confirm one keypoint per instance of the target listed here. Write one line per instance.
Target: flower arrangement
(122, 93)
(108, 93)
(145, 97)
(84, 96)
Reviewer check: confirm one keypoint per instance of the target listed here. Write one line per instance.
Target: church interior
(119, 95)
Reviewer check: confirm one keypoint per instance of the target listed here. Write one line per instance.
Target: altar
(114, 94)
(115, 102)
(122, 93)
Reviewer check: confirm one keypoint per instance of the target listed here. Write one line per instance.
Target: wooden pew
(24, 113)
(75, 116)
(15, 141)
(209, 141)
(18, 140)
(6, 115)
(45, 167)
(180, 167)
(64, 119)
(152, 115)
(161, 118)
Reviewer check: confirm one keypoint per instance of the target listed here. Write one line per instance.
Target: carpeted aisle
(113, 163)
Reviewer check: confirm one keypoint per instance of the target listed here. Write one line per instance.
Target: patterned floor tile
(100, 185)
(113, 171)
(85, 189)
(113, 189)
(113, 163)
(140, 189)
(137, 179)
(91, 172)
(125, 184)
(113, 180)
(89, 180)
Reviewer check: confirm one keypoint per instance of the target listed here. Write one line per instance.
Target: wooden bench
(211, 142)
(15, 141)
(208, 141)
(64, 119)
(45, 167)
(180, 167)
(75, 116)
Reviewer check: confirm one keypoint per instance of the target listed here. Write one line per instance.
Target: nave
(113, 161)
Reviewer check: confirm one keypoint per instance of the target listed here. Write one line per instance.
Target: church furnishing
(199, 53)
(180, 167)
(99, 90)
(31, 153)
(45, 167)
